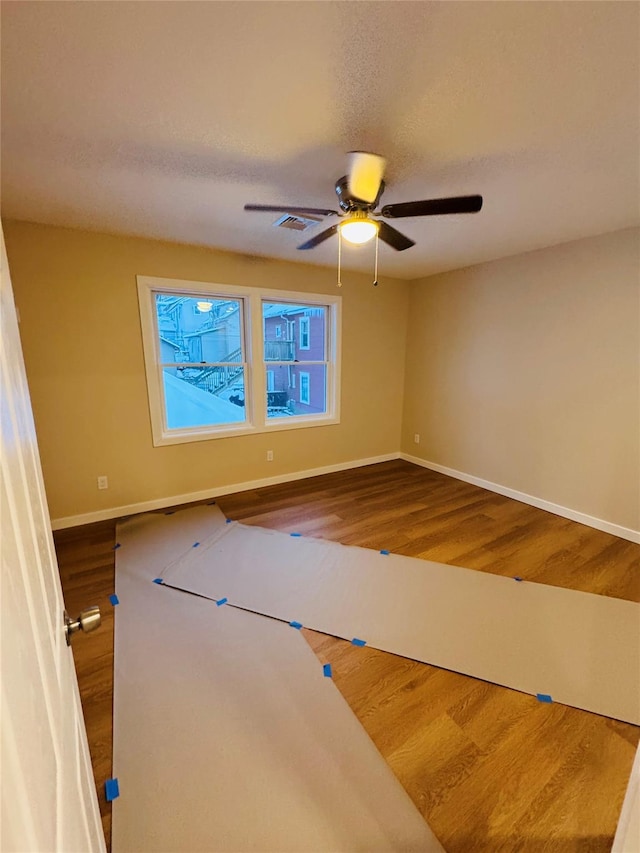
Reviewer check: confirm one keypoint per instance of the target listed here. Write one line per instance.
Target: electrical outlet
(416, 438)
(103, 483)
(269, 455)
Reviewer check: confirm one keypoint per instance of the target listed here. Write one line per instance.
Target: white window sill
(275, 425)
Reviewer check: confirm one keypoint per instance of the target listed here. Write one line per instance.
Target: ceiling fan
(358, 196)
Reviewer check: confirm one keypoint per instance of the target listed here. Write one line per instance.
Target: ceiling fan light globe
(358, 230)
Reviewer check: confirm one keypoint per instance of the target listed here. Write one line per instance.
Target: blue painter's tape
(357, 642)
(543, 697)
(221, 601)
(228, 521)
(114, 600)
(297, 625)
(116, 546)
(327, 670)
(111, 789)
(295, 534)
(157, 580)
(518, 578)
(170, 512)
(384, 552)
(195, 544)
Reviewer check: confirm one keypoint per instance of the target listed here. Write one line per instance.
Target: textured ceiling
(163, 118)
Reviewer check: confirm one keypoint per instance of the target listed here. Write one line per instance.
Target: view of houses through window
(296, 359)
(203, 359)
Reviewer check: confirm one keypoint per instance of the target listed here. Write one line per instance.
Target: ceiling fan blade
(394, 238)
(365, 174)
(319, 238)
(271, 208)
(434, 207)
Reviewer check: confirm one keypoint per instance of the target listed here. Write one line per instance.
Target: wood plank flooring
(489, 768)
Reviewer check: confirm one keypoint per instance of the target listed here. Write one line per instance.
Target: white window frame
(307, 325)
(304, 374)
(254, 366)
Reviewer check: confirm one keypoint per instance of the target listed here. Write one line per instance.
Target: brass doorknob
(87, 621)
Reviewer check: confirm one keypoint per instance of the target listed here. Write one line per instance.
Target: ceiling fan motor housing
(350, 203)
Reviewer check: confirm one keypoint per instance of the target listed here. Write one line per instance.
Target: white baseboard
(174, 500)
(565, 512)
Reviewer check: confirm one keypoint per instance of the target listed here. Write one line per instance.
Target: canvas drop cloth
(227, 735)
(580, 649)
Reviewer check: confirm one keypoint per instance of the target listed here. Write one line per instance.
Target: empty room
(321, 419)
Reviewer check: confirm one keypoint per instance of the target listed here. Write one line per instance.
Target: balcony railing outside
(213, 378)
(279, 351)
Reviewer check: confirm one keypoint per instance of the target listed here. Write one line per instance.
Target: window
(304, 333)
(223, 360)
(305, 394)
(202, 361)
(308, 358)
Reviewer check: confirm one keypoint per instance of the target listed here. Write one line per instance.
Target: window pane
(196, 397)
(195, 329)
(296, 389)
(301, 331)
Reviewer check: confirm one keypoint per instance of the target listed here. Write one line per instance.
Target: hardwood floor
(87, 569)
(491, 769)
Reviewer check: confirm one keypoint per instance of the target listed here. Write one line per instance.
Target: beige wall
(525, 372)
(76, 294)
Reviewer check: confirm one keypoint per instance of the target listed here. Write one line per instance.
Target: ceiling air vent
(296, 223)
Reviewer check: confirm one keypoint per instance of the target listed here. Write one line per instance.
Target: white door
(49, 800)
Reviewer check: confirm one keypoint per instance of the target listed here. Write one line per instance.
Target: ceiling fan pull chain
(375, 274)
(339, 257)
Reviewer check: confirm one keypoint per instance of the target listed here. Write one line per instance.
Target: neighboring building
(294, 338)
(191, 332)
